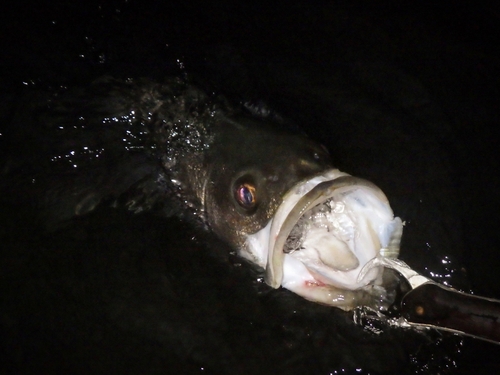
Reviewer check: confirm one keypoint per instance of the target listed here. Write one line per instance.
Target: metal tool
(429, 304)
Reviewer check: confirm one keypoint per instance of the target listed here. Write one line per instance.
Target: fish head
(249, 167)
(313, 228)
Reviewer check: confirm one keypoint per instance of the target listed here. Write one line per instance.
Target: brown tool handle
(436, 305)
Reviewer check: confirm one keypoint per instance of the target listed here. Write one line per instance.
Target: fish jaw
(341, 223)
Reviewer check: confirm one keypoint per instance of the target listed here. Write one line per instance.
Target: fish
(271, 193)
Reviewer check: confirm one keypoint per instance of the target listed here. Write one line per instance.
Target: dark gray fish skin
(152, 146)
(272, 161)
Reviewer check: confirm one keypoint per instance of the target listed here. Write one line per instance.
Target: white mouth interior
(323, 234)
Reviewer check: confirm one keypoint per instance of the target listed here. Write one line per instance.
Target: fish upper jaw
(323, 234)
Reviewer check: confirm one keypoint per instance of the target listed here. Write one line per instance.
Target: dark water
(401, 95)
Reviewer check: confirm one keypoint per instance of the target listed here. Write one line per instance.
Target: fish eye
(245, 195)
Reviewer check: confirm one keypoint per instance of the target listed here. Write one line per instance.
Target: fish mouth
(324, 232)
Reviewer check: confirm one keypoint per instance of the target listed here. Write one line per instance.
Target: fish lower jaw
(343, 280)
(343, 290)
(315, 290)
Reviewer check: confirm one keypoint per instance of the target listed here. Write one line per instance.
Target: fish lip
(288, 215)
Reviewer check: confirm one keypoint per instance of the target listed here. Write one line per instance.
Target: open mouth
(323, 234)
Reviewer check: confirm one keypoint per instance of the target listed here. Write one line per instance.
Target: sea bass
(272, 194)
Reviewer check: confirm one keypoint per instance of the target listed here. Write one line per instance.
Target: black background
(403, 94)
